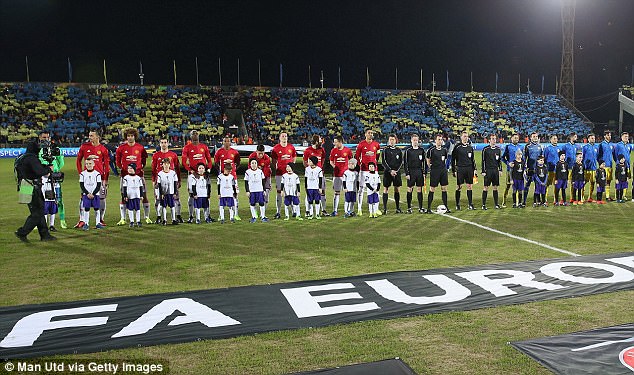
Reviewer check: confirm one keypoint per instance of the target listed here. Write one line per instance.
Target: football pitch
(122, 261)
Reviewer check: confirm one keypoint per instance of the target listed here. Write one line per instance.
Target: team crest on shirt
(469, 154)
(497, 157)
(289, 151)
(398, 156)
(99, 152)
(420, 157)
(442, 158)
(136, 152)
(202, 150)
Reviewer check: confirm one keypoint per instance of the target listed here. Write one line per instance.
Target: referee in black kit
(392, 161)
(463, 167)
(491, 170)
(413, 162)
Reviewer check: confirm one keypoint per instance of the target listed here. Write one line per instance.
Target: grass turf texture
(119, 261)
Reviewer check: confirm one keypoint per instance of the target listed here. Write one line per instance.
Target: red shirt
(127, 154)
(102, 164)
(194, 155)
(264, 163)
(320, 153)
(157, 163)
(367, 152)
(224, 156)
(340, 158)
(283, 156)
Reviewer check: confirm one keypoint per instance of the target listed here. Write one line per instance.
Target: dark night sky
(510, 37)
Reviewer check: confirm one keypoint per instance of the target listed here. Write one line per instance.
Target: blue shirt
(606, 153)
(590, 153)
(571, 153)
(623, 149)
(509, 154)
(531, 152)
(551, 155)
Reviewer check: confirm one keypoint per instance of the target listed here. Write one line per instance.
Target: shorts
(350, 197)
(437, 176)
(578, 184)
(87, 203)
(589, 176)
(373, 198)
(551, 178)
(561, 184)
(50, 207)
(313, 196)
(256, 197)
(291, 199)
(529, 178)
(278, 183)
(226, 202)
(621, 185)
(201, 202)
(168, 200)
(337, 183)
(492, 177)
(133, 204)
(540, 189)
(609, 174)
(415, 178)
(389, 180)
(518, 185)
(103, 191)
(600, 189)
(464, 175)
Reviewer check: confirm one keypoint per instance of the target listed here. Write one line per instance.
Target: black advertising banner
(97, 325)
(386, 367)
(600, 351)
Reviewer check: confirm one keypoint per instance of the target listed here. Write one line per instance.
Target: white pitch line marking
(546, 246)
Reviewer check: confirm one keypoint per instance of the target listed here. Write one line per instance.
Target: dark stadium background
(509, 37)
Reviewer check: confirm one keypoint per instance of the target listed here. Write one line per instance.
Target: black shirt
(561, 171)
(601, 177)
(414, 159)
(29, 166)
(577, 172)
(392, 159)
(517, 171)
(463, 157)
(621, 172)
(437, 158)
(491, 159)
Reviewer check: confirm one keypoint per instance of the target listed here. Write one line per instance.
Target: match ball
(441, 209)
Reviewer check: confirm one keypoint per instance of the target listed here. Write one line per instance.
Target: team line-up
(592, 165)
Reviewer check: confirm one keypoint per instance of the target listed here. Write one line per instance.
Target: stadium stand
(69, 111)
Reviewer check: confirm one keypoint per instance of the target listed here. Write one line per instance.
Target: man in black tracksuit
(491, 169)
(392, 161)
(31, 169)
(463, 167)
(413, 162)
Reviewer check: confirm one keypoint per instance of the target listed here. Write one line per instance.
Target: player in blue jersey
(590, 153)
(571, 148)
(532, 151)
(606, 153)
(624, 148)
(551, 156)
(507, 157)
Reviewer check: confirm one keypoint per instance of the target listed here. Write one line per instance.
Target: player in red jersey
(339, 157)
(128, 153)
(195, 153)
(367, 151)
(282, 154)
(157, 166)
(264, 163)
(227, 155)
(100, 155)
(316, 150)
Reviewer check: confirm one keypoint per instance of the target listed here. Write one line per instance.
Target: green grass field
(119, 261)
